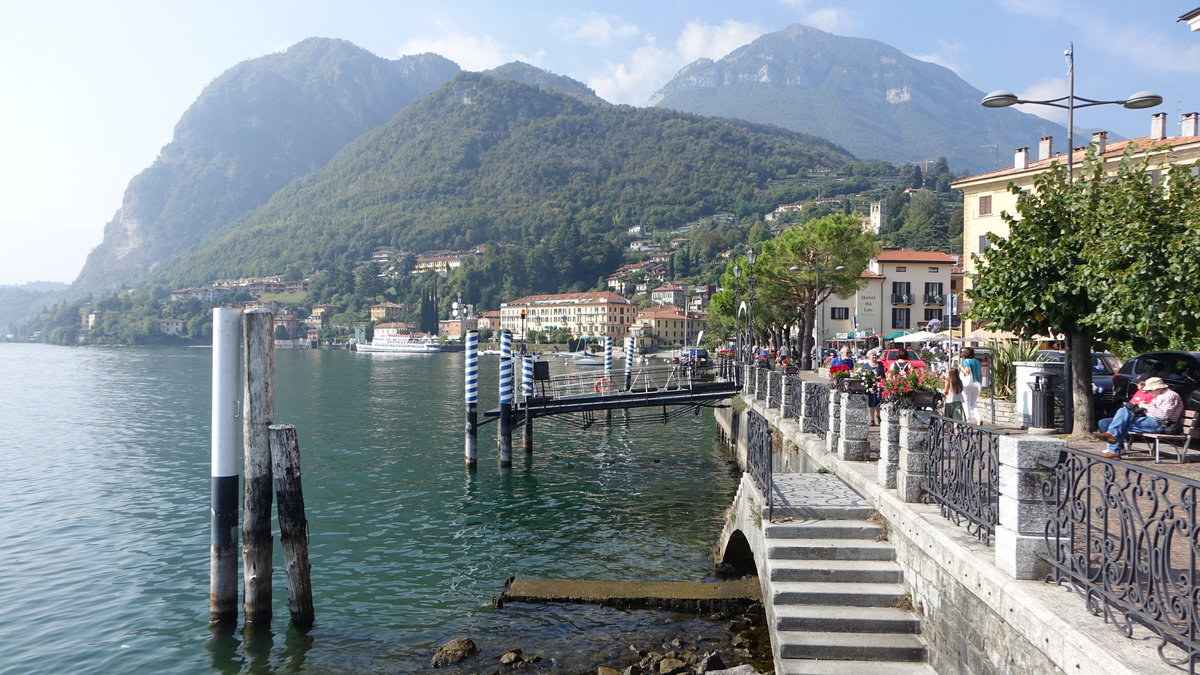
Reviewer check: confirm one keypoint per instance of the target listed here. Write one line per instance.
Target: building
(669, 294)
(392, 328)
(903, 291)
(667, 325)
(203, 294)
(441, 262)
(456, 329)
(386, 311)
(170, 326)
(290, 324)
(986, 196)
(583, 314)
(489, 320)
(323, 312)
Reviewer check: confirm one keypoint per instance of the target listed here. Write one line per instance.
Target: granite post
(889, 444)
(1022, 512)
(853, 444)
(914, 454)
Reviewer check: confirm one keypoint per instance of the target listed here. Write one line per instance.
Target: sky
(91, 91)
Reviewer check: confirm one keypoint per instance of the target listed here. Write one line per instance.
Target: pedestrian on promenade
(1160, 416)
(970, 372)
(900, 364)
(873, 397)
(841, 362)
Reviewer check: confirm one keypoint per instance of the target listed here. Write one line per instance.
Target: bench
(1188, 432)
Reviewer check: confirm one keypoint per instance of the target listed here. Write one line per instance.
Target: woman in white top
(969, 372)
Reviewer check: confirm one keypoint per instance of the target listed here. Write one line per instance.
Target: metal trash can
(1041, 401)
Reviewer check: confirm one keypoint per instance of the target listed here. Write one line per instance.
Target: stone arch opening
(737, 558)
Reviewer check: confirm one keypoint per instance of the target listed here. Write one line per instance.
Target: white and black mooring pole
(471, 392)
(506, 399)
(226, 465)
(526, 394)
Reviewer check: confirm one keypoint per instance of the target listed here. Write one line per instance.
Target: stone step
(823, 529)
(826, 593)
(784, 510)
(826, 667)
(839, 619)
(876, 571)
(850, 646)
(829, 549)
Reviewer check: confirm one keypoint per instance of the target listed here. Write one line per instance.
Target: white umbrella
(919, 336)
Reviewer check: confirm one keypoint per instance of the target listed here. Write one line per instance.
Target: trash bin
(1041, 402)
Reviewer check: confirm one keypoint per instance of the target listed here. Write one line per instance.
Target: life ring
(603, 386)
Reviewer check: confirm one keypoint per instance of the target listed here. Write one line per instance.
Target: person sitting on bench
(1160, 415)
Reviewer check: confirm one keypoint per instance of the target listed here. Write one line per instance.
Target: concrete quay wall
(976, 618)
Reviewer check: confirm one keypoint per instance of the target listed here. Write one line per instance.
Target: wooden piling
(471, 393)
(223, 573)
(259, 405)
(293, 526)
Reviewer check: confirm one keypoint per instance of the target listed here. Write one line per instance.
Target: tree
(1109, 258)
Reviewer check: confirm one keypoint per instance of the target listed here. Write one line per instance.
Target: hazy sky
(92, 89)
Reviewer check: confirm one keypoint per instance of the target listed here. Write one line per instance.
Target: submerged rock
(454, 651)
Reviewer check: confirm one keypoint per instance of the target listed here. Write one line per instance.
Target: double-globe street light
(809, 361)
(1137, 101)
(748, 305)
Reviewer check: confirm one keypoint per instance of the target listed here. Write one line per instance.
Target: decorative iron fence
(963, 474)
(759, 441)
(819, 394)
(1126, 538)
(792, 407)
(774, 387)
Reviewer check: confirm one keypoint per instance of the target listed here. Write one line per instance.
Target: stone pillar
(853, 444)
(1023, 514)
(791, 393)
(914, 453)
(889, 444)
(772, 401)
(808, 406)
(834, 426)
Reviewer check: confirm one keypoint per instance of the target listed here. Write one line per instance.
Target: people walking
(970, 372)
(873, 396)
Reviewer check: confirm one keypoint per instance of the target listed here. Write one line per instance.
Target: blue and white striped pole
(527, 392)
(226, 465)
(506, 399)
(628, 363)
(608, 357)
(471, 391)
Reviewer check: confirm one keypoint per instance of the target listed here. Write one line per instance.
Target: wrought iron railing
(759, 441)
(791, 406)
(774, 388)
(819, 394)
(963, 474)
(1126, 538)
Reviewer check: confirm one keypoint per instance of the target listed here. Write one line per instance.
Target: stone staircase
(834, 588)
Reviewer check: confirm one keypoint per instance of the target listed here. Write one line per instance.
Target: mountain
(523, 72)
(486, 159)
(861, 94)
(253, 130)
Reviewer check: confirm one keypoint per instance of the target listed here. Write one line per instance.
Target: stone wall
(1005, 413)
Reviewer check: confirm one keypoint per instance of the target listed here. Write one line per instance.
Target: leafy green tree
(1110, 258)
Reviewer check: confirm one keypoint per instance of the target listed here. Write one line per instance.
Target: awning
(893, 336)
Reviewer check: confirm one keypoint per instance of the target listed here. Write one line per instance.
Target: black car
(1105, 366)
(1180, 370)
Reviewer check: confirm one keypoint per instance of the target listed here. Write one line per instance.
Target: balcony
(937, 300)
(901, 299)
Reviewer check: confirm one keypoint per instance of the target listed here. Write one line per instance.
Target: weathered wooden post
(506, 398)
(527, 391)
(471, 390)
(223, 574)
(293, 526)
(259, 407)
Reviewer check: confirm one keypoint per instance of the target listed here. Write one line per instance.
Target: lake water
(104, 539)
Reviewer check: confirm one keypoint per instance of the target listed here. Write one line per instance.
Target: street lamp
(750, 257)
(1137, 101)
(816, 296)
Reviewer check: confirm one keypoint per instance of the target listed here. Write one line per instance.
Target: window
(985, 205)
(984, 244)
(901, 268)
(933, 270)
(954, 284)
(931, 314)
(839, 313)
(900, 317)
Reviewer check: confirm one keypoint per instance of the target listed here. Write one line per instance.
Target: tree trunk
(1081, 383)
(806, 336)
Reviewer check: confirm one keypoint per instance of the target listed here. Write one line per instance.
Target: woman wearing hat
(1161, 414)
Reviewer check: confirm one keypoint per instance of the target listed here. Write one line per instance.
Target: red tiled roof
(914, 256)
(577, 298)
(1112, 150)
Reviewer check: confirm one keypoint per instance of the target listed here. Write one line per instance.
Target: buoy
(603, 386)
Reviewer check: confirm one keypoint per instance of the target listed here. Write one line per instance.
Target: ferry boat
(401, 343)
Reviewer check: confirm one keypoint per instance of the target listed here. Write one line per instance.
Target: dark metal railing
(963, 474)
(792, 407)
(759, 441)
(1126, 538)
(774, 387)
(819, 394)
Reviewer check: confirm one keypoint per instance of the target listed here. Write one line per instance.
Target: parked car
(889, 357)
(1104, 367)
(1180, 370)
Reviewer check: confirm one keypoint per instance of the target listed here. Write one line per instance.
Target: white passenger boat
(401, 343)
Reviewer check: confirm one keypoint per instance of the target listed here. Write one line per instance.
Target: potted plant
(920, 387)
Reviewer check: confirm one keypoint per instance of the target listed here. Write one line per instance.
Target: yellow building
(986, 196)
(386, 311)
(668, 325)
(602, 314)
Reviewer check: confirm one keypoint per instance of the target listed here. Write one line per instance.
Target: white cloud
(650, 66)
(829, 19)
(950, 55)
(471, 52)
(595, 28)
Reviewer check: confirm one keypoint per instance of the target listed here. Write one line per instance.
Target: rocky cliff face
(861, 94)
(257, 127)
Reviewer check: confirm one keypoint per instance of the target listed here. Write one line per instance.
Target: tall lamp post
(816, 309)
(1137, 101)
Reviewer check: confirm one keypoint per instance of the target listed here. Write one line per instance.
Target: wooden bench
(1188, 432)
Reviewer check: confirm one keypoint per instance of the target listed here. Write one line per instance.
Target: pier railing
(759, 444)
(670, 377)
(963, 469)
(1127, 539)
(820, 406)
